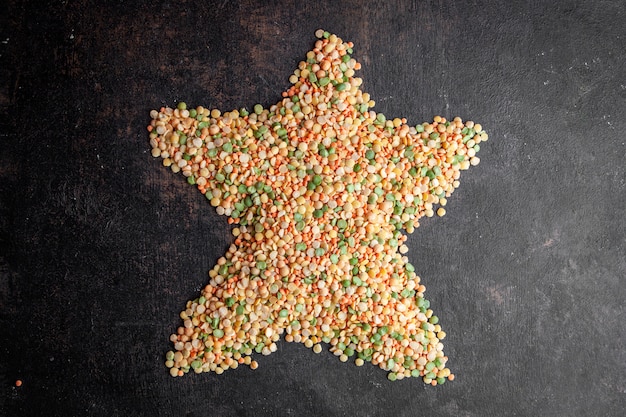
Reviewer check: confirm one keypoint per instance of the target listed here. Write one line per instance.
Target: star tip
(322, 34)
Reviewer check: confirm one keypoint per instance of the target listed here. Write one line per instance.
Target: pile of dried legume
(318, 188)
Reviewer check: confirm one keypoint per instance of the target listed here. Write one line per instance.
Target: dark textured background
(100, 246)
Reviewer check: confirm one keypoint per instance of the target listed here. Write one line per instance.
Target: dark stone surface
(100, 246)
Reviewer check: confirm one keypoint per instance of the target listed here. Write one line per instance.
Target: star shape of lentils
(318, 188)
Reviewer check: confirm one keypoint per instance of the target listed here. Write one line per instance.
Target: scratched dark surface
(100, 246)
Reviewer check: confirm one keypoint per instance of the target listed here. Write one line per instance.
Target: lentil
(319, 187)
